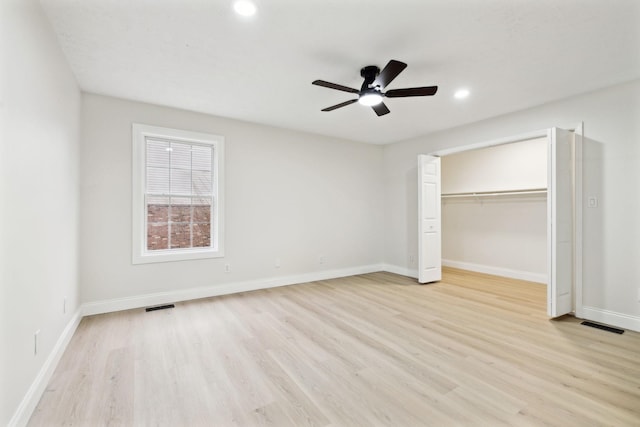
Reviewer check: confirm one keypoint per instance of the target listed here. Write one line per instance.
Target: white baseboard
(497, 271)
(32, 397)
(619, 320)
(139, 301)
(403, 271)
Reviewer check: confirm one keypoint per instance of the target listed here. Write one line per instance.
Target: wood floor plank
(370, 350)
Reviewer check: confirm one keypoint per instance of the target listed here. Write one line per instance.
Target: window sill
(176, 255)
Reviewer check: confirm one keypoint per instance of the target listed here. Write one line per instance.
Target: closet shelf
(495, 193)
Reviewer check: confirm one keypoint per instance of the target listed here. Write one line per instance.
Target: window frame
(140, 253)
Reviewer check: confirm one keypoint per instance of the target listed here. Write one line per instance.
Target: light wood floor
(370, 350)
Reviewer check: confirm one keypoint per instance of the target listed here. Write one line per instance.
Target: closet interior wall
(494, 210)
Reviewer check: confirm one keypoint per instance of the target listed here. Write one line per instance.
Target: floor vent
(159, 307)
(603, 327)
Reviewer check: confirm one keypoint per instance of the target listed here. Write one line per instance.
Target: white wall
(611, 231)
(503, 235)
(289, 195)
(516, 166)
(40, 110)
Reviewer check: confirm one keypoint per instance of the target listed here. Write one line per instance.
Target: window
(177, 195)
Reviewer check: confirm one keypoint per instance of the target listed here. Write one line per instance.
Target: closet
(494, 210)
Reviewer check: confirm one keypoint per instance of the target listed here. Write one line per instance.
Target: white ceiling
(198, 55)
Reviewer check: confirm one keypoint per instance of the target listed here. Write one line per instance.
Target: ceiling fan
(375, 81)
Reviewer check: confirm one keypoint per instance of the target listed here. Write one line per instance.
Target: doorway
(564, 216)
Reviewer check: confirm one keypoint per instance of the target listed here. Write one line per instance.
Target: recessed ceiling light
(461, 93)
(245, 8)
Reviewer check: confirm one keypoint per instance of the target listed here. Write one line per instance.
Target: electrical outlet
(35, 342)
(227, 268)
(277, 263)
(64, 305)
(592, 202)
(411, 259)
(322, 259)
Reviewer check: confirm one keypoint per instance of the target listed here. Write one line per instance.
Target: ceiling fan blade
(334, 86)
(389, 72)
(342, 104)
(380, 109)
(412, 91)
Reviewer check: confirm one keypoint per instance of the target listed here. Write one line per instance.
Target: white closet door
(429, 225)
(560, 223)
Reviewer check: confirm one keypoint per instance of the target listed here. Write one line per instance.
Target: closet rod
(496, 193)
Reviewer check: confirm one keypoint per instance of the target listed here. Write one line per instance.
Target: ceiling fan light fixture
(370, 99)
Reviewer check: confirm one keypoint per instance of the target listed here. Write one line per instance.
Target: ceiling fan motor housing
(369, 73)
